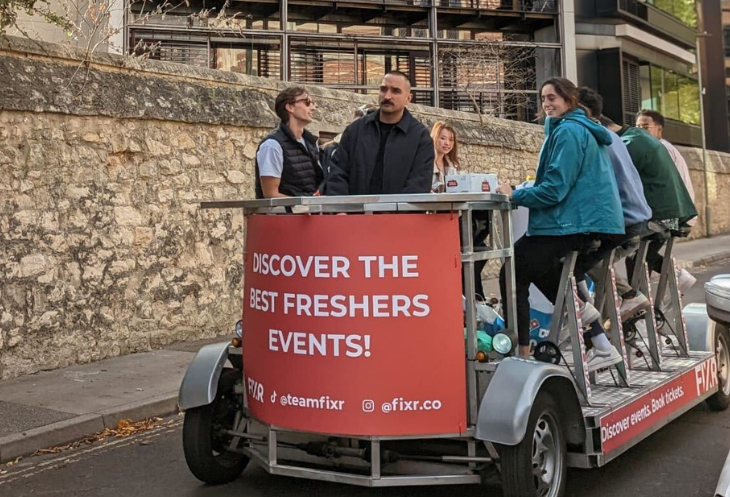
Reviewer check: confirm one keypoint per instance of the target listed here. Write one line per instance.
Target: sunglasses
(307, 101)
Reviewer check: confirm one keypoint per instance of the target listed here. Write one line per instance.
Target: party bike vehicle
(357, 362)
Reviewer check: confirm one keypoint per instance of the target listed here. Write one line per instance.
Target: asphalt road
(681, 460)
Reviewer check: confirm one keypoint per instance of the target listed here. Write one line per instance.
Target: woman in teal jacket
(574, 200)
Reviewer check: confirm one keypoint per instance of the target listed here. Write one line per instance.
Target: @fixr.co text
(399, 404)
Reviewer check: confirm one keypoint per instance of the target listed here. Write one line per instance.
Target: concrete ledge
(160, 405)
(62, 432)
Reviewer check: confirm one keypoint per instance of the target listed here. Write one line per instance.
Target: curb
(79, 427)
(703, 261)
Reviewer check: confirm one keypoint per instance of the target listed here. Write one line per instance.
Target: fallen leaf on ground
(123, 429)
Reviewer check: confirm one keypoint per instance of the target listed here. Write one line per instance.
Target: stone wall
(103, 247)
(718, 188)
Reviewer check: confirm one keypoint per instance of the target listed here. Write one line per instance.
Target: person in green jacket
(663, 186)
(665, 192)
(574, 200)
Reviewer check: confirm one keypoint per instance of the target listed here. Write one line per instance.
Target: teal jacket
(575, 189)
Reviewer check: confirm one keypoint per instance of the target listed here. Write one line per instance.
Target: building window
(632, 91)
(684, 10)
(677, 97)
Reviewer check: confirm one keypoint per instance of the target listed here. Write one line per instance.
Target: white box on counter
(471, 183)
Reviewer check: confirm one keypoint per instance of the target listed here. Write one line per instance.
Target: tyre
(205, 444)
(721, 400)
(537, 465)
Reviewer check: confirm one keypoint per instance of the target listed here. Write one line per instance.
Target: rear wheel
(205, 442)
(536, 466)
(721, 400)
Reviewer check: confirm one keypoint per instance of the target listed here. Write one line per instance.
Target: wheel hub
(545, 457)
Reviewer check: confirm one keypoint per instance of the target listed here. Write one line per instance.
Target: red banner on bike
(353, 324)
(635, 419)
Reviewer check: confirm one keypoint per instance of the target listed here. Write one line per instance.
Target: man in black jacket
(287, 160)
(386, 152)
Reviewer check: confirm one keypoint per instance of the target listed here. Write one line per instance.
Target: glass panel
(686, 11)
(689, 101)
(234, 59)
(645, 83)
(657, 89)
(671, 95)
(372, 72)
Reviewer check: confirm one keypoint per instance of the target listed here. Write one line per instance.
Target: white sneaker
(685, 281)
(588, 314)
(598, 359)
(631, 307)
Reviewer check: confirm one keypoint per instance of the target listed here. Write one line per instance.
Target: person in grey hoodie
(636, 211)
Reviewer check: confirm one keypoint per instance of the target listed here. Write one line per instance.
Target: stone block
(127, 216)
(235, 177)
(249, 151)
(170, 167)
(148, 170)
(32, 265)
(143, 236)
(190, 160)
(157, 148)
(206, 177)
(184, 141)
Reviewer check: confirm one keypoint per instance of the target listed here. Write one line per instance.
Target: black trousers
(654, 260)
(480, 225)
(537, 261)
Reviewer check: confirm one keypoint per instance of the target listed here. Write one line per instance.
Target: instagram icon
(368, 405)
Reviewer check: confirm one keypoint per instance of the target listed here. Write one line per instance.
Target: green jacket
(663, 186)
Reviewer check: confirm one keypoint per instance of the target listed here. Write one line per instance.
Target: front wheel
(721, 400)
(205, 442)
(537, 465)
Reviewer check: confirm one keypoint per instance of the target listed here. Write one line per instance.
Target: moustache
(386, 102)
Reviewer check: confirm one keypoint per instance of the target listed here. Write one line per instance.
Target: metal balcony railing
(544, 6)
(634, 7)
(549, 6)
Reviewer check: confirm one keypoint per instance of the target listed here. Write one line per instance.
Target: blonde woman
(447, 154)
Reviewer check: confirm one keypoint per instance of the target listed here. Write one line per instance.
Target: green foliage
(9, 10)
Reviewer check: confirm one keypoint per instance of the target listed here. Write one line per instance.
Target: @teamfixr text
(324, 402)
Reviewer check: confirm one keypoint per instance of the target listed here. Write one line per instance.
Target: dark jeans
(654, 259)
(537, 261)
(587, 262)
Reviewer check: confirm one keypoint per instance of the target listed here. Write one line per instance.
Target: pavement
(53, 408)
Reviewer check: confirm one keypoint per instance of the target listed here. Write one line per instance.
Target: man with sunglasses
(386, 152)
(287, 160)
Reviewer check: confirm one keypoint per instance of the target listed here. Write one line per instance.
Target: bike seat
(682, 232)
(655, 230)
